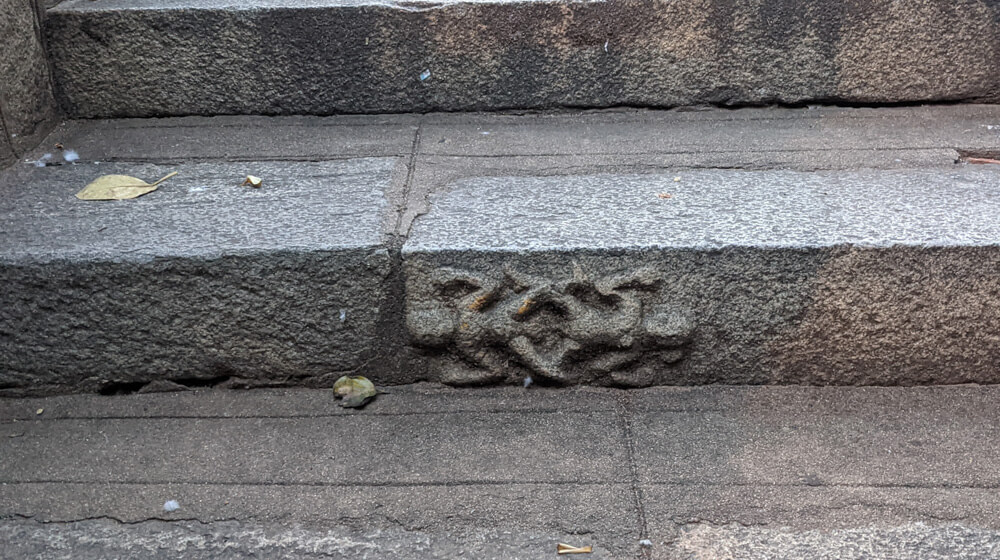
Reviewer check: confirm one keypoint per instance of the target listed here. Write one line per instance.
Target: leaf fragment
(254, 182)
(354, 392)
(563, 548)
(119, 187)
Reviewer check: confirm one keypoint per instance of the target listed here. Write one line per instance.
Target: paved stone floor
(427, 471)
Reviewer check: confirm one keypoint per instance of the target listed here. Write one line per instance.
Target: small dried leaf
(664, 195)
(355, 392)
(254, 182)
(118, 187)
(570, 549)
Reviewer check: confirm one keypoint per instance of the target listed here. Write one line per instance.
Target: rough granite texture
(202, 281)
(854, 277)
(822, 245)
(504, 473)
(176, 57)
(27, 106)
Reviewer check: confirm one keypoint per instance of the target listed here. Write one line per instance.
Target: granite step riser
(840, 315)
(112, 58)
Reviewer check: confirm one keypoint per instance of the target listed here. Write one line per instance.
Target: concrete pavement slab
(421, 398)
(96, 539)
(474, 448)
(734, 542)
(732, 472)
(740, 132)
(851, 437)
(249, 138)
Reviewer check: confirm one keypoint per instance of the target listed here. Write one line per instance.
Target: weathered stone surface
(27, 106)
(7, 155)
(197, 282)
(705, 542)
(328, 56)
(866, 277)
(427, 471)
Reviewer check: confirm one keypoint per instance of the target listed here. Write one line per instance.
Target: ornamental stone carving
(490, 328)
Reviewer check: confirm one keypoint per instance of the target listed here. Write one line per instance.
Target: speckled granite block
(178, 57)
(854, 277)
(26, 102)
(200, 280)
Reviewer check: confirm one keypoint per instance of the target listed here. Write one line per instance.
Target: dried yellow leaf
(562, 548)
(254, 182)
(118, 187)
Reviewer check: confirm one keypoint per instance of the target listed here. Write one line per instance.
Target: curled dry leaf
(354, 392)
(563, 548)
(119, 187)
(254, 182)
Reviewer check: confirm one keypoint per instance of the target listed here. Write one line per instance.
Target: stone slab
(400, 400)
(722, 276)
(518, 521)
(202, 280)
(27, 105)
(740, 133)
(245, 138)
(703, 542)
(324, 57)
(353, 450)
(695, 470)
(819, 437)
(7, 155)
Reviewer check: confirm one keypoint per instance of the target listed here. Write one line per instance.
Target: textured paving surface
(427, 471)
(327, 57)
(817, 245)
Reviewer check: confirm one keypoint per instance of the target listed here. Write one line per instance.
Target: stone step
(827, 247)
(129, 58)
(497, 473)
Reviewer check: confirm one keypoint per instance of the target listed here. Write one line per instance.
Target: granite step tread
(336, 56)
(625, 248)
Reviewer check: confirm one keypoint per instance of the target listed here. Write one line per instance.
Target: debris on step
(563, 548)
(119, 187)
(171, 506)
(354, 392)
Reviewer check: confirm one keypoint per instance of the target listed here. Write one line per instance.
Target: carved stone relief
(490, 328)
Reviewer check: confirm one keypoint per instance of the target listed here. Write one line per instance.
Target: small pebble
(171, 505)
